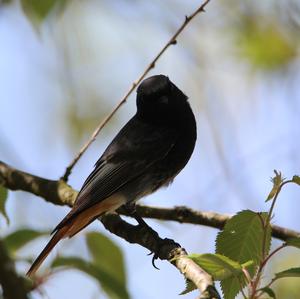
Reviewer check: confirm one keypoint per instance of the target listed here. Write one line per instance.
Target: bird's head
(159, 100)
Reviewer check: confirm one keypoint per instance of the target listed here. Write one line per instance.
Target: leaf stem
(259, 271)
(275, 198)
(268, 220)
(266, 224)
(264, 262)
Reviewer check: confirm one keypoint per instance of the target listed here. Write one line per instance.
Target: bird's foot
(161, 245)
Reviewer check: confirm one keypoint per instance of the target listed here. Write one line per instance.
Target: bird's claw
(155, 257)
(156, 254)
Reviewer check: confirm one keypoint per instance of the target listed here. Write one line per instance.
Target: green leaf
(295, 242)
(296, 179)
(3, 198)
(277, 180)
(189, 287)
(110, 285)
(292, 272)
(241, 240)
(268, 291)
(19, 238)
(218, 266)
(106, 255)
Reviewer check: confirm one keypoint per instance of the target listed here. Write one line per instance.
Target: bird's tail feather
(70, 226)
(60, 234)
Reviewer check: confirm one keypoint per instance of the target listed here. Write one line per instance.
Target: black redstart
(148, 152)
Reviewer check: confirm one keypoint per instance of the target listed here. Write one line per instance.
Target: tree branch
(59, 193)
(184, 214)
(13, 286)
(151, 65)
(165, 249)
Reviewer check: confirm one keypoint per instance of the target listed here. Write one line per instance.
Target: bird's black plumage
(147, 153)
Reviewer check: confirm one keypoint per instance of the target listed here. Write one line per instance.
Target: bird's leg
(130, 208)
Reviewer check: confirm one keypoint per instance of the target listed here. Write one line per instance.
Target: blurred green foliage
(109, 284)
(295, 242)
(3, 198)
(37, 10)
(80, 122)
(17, 239)
(107, 255)
(264, 44)
(107, 265)
(288, 287)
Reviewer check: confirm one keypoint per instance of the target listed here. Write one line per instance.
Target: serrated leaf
(292, 272)
(110, 285)
(241, 240)
(3, 198)
(295, 242)
(218, 266)
(106, 255)
(20, 238)
(189, 287)
(269, 292)
(296, 179)
(277, 180)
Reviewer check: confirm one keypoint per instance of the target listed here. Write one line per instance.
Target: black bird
(148, 152)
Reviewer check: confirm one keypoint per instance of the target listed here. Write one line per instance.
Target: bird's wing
(136, 147)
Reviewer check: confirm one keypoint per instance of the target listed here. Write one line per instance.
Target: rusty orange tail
(60, 234)
(74, 223)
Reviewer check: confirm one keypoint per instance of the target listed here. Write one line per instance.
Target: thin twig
(256, 281)
(267, 286)
(266, 224)
(151, 65)
(264, 262)
(275, 198)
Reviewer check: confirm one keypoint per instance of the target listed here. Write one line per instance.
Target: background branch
(60, 193)
(172, 41)
(165, 249)
(184, 214)
(13, 286)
